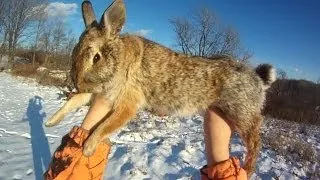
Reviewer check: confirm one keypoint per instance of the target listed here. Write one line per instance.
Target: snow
(149, 147)
(16, 177)
(30, 171)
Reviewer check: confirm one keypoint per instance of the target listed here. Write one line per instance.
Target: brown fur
(134, 73)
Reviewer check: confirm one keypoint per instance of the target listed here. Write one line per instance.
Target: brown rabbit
(134, 73)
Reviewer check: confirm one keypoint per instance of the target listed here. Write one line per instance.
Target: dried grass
(26, 70)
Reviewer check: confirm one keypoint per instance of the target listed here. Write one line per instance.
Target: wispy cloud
(60, 9)
(143, 32)
(297, 70)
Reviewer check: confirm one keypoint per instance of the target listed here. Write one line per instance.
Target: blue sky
(285, 33)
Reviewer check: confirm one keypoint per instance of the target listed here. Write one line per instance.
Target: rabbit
(134, 73)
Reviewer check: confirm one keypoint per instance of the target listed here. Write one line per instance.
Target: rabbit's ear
(113, 18)
(87, 13)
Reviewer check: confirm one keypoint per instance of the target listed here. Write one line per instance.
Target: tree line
(294, 100)
(26, 24)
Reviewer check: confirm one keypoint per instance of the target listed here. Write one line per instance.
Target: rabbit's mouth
(86, 87)
(89, 84)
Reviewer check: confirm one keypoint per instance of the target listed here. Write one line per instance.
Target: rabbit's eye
(96, 58)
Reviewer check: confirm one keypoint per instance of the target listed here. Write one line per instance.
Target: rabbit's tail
(267, 73)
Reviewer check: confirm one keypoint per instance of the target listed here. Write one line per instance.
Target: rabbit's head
(98, 52)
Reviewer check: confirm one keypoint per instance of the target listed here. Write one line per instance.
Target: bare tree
(184, 32)
(70, 42)
(45, 41)
(1, 14)
(3, 33)
(18, 16)
(204, 35)
(59, 36)
(282, 74)
(40, 19)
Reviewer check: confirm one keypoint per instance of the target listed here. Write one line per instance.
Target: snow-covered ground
(149, 147)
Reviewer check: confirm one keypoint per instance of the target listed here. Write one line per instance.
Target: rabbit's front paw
(53, 121)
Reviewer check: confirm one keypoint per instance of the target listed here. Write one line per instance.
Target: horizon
(282, 33)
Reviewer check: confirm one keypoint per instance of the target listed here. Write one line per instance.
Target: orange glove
(69, 163)
(225, 170)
